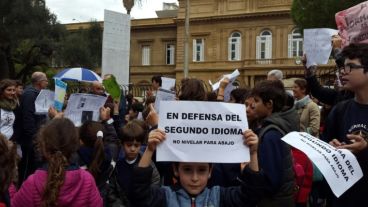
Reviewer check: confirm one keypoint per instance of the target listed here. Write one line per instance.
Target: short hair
(19, 83)
(37, 77)
(132, 131)
(239, 94)
(302, 84)
(359, 51)
(271, 90)
(277, 73)
(192, 90)
(137, 107)
(157, 79)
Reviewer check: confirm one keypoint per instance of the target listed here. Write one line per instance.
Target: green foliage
(82, 48)
(318, 13)
(29, 34)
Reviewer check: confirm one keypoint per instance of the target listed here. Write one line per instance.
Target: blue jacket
(245, 195)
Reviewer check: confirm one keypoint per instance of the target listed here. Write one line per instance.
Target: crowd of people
(47, 161)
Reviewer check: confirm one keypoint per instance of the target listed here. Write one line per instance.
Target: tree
(28, 36)
(129, 4)
(317, 13)
(82, 48)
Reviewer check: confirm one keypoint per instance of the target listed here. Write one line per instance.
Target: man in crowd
(28, 123)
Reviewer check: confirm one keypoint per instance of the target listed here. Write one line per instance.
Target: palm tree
(128, 4)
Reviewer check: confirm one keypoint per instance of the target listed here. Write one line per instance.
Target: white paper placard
(44, 101)
(339, 166)
(198, 131)
(83, 107)
(317, 45)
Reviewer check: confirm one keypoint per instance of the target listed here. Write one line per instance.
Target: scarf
(302, 102)
(8, 104)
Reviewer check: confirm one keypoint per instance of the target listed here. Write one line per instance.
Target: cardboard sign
(198, 131)
(352, 24)
(317, 45)
(339, 166)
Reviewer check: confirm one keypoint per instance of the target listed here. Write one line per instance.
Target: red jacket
(79, 189)
(304, 175)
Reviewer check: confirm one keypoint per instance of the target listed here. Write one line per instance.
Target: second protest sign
(199, 131)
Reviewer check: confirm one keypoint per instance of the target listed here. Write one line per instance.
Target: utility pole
(186, 39)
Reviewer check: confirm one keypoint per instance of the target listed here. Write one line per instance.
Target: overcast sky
(74, 11)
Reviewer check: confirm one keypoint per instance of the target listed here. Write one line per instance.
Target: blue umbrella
(78, 74)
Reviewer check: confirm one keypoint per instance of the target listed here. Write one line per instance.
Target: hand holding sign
(155, 138)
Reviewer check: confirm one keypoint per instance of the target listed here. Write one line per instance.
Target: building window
(235, 46)
(198, 50)
(146, 53)
(264, 45)
(295, 44)
(170, 54)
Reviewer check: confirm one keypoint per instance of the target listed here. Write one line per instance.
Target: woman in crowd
(8, 103)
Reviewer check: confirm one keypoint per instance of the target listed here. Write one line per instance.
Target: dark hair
(6, 83)
(88, 135)
(57, 141)
(157, 79)
(239, 94)
(137, 107)
(271, 90)
(359, 51)
(132, 131)
(7, 163)
(302, 83)
(18, 83)
(192, 90)
(149, 100)
(211, 96)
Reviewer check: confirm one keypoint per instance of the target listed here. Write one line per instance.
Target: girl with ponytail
(93, 156)
(59, 182)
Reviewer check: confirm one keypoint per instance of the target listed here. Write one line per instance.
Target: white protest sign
(60, 91)
(167, 83)
(84, 107)
(198, 131)
(339, 166)
(353, 24)
(44, 101)
(317, 45)
(231, 78)
(163, 95)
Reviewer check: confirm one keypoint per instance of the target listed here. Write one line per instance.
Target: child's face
(261, 109)
(193, 176)
(131, 149)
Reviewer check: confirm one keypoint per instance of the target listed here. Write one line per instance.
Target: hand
(54, 114)
(311, 71)
(116, 107)
(104, 113)
(336, 42)
(149, 93)
(155, 137)
(224, 83)
(152, 117)
(251, 140)
(336, 143)
(358, 143)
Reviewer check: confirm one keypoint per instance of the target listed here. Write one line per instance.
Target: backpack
(302, 167)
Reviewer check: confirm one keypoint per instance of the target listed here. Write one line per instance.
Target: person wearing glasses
(27, 124)
(347, 123)
(327, 95)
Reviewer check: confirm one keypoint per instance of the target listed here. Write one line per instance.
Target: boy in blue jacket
(191, 189)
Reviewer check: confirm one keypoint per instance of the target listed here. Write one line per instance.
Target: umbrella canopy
(78, 74)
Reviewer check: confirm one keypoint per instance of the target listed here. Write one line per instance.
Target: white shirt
(6, 123)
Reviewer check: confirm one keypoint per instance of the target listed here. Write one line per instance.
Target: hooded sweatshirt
(275, 158)
(78, 189)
